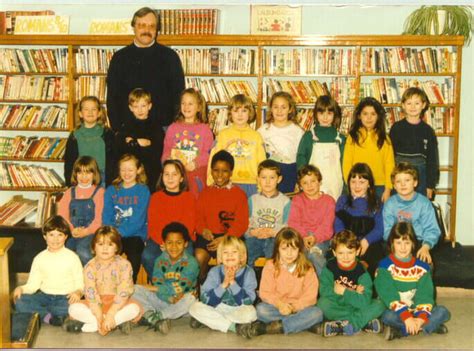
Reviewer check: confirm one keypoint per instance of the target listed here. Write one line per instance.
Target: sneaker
(392, 333)
(57, 321)
(152, 318)
(374, 326)
(332, 328)
(348, 329)
(72, 325)
(163, 326)
(244, 330)
(126, 327)
(194, 323)
(442, 329)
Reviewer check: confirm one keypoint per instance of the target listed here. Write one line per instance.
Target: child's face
(280, 110)
(230, 256)
(221, 173)
(140, 108)
(405, 185)
(89, 113)
(413, 106)
(325, 118)
(128, 173)
(172, 178)
(288, 253)
(345, 256)
(268, 180)
(105, 249)
(85, 177)
(358, 186)
(310, 185)
(189, 108)
(175, 245)
(55, 240)
(402, 247)
(240, 116)
(368, 117)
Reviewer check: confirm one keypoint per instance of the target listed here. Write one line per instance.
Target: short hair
(224, 156)
(138, 94)
(404, 167)
(175, 227)
(291, 103)
(402, 230)
(327, 103)
(201, 114)
(241, 100)
(345, 237)
(235, 242)
(142, 13)
(85, 164)
(414, 91)
(107, 231)
(308, 170)
(269, 164)
(183, 186)
(56, 223)
(102, 117)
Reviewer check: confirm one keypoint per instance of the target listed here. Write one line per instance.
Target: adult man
(148, 65)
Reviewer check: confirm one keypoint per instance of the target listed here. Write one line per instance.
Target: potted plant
(440, 20)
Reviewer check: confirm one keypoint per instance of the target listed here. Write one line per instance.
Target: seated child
(409, 206)
(405, 286)
(55, 279)
(268, 212)
(174, 281)
(108, 287)
(346, 291)
(228, 293)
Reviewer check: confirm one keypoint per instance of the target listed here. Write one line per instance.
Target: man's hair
(175, 227)
(142, 13)
(269, 164)
(404, 167)
(345, 237)
(56, 223)
(225, 156)
(138, 94)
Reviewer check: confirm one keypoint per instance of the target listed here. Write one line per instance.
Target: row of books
(93, 60)
(7, 18)
(441, 119)
(309, 61)
(390, 90)
(47, 204)
(188, 21)
(41, 88)
(216, 61)
(33, 60)
(220, 91)
(32, 147)
(15, 175)
(33, 116)
(408, 60)
(16, 210)
(91, 85)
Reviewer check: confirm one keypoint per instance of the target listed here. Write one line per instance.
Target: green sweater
(91, 143)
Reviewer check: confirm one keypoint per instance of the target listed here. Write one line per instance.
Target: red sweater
(223, 211)
(165, 208)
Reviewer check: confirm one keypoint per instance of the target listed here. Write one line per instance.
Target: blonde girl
(282, 135)
(108, 286)
(189, 139)
(82, 205)
(125, 207)
(242, 142)
(91, 138)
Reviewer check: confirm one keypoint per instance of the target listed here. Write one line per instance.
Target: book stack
(16, 210)
(93, 60)
(188, 21)
(7, 19)
(14, 175)
(32, 147)
(220, 91)
(46, 207)
(32, 117)
(33, 60)
(91, 85)
(41, 88)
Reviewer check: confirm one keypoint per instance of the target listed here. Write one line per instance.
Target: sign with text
(42, 25)
(110, 26)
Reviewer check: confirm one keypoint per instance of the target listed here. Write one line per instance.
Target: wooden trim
(5, 327)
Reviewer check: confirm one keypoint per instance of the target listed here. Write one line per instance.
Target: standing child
(189, 139)
(55, 278)
(228, 293)
(91, 138)
(288, 289)
(368, 143)
(414, 141)
(174, 281)
(268, 212)
(108, 287)
(282, 135)
(312, 215)
(405, 286)
(171, 203)
(242, 142)
(125, 207)
(82, 205)
(323, 145)
(346, 291)
(142, 136)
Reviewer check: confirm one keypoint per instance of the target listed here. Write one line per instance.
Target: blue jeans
(258, 247)
(317, 255)
(82, 246)
(43, 303)
(439, 315)
(249, 189)
(152, 251)
(292, 323)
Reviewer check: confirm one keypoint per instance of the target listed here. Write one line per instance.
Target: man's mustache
(146, 35)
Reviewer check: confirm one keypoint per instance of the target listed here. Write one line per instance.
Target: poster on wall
(42, 25)
(275, 20)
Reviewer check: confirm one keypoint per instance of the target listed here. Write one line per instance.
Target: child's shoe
(275, 327)
(163, 326)
(332, 328)
(57, 321)
(348, 329)
(152, 318)
(244, 330)
(257, 328)
(392, 333)
(317, 329)
(374, 326)
(126, 327)
(194, 323)
(442, 329)
(72, 325)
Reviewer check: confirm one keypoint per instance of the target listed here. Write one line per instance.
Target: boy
(55, 279)
(268, 212)
(346, 291)
(174, 281)
(141, 137)
(409, 206)
(222, 210)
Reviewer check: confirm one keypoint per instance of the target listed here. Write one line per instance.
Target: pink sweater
(313, 217)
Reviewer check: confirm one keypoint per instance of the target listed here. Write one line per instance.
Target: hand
(17, 293)
(424, 253)
(309, 241)
(267, 233)
(207, 234)
(109, 322)
(364, 245)
(229, 277)
(360, 289)
(79, 232)
(143, 142)
(212, 246)
(191, 166)
(128, 139)
(411, 325)
(339, 289)
(74, 297)
(385, 195)
(284, 308)
(429, 193)
(420, 322)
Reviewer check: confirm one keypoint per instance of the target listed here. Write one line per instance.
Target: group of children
(203, 209)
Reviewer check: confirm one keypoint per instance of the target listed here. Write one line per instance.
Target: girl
(323, 145)
(361, 213)
(82, 205)
(190, 139)
(288, 289)
(312, 215)
(243, 143)
(282, 135)
(108, 286)
(125, 207)
(228, 293)
(91, 138)
(405, 286)
(368, 143)
(171, 203)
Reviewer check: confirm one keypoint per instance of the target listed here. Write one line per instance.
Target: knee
(443, 311)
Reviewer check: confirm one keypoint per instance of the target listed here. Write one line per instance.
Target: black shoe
(57, 321)
(194, 323)
(442, 329)
(72, 326)
(244, 330)
(163, 326)
(126, 327)
(275, 327)
(392, 333)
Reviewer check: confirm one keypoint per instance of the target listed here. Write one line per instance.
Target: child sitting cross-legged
(346, 291)
(174, 281)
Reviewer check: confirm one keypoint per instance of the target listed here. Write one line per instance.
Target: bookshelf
(348, 66)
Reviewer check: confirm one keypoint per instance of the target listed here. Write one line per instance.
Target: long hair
(379, 125)
(201, 115)
(183, 186)
(102, 118)
(85, 164)
(327, 103)
(363, 170)
(141, 175)
(291, 104)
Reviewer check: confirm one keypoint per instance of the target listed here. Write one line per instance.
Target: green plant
(424, 21)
